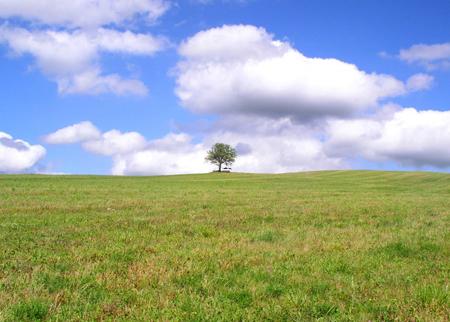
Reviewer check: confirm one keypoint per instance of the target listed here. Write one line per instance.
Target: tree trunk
(220, 167)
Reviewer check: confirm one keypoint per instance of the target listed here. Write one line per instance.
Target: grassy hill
(333, 245)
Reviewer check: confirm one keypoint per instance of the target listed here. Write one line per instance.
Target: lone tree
(221, 154)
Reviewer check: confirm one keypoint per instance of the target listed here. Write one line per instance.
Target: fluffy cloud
(163, 158)
(419, 82)
(243, 69)
(289, 150)
(80, 132)
(115, 142)
(269, 146)
(430, 56)
(71, 57)
(282, 111)
(403, 135)
(83, 13)
(92, 82)
(278, 151)
(132, 153)
(18, 155)
(406, 136)
(109, 143)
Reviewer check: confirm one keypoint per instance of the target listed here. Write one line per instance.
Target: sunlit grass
(335, 245)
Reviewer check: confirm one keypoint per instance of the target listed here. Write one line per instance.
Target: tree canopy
(221, 154)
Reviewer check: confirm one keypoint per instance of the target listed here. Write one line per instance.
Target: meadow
(326, 246)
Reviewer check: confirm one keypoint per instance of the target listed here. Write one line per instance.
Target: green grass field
(330, 246)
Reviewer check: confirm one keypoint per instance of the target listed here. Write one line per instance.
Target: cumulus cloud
(407, 136)
(419, 82)
(109, 143)
(394, 134)
(17, 155)
(134, 155)
(161, 158)
(115, 142)
(430, 56)
(83, 13)
(259, 151)
(262, 153)
(295, 148)
(269, 147)
(71, 58)
(171, 142)
(281, 110)
(92, 82)
(243, 69)
(76, 133)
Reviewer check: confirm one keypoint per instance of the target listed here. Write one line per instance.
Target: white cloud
(264, 146)
(403, 135)
(241, 69)
(431, 56)
(109, 143)
(285, 152)
(115, 142)
(71, 58)
(290, 150)
(83, 13)
(189, 159)
(232, 43)
(408, 137)
(171, 142)
(76, 133)
(92, 82)
(284, 112)
(18, 155)
(127, 42)
(394, 134)
(419, 82)
(417, 53)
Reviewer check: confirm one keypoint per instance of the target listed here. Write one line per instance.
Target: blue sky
(316, 129)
